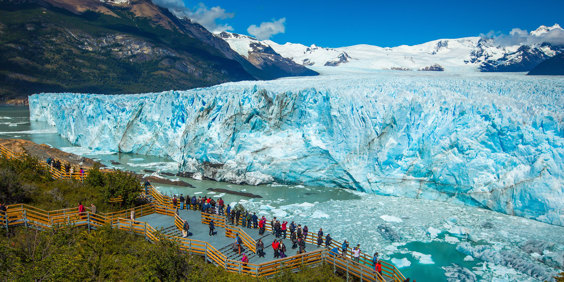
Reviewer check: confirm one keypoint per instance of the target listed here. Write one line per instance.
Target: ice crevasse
(491, 141)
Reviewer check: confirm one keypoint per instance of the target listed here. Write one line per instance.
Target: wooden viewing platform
(160, 220)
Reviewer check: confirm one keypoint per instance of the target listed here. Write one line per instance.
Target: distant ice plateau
(489, 140)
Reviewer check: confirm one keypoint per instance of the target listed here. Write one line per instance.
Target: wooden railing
(21, 214)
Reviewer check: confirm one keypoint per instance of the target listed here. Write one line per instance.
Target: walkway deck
(200, 232)
(160, 214)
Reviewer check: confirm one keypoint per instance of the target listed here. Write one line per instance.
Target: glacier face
(487, 140)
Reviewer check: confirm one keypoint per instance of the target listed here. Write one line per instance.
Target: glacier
(494, 141)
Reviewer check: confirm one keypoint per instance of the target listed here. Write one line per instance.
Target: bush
(126, 185)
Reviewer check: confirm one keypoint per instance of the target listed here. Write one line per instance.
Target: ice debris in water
(485, 140)
(507, 258)
(455, 273)
(401, 263)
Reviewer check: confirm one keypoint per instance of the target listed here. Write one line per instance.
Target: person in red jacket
(81, 210)
(284, 229)
(221, 206)
(261, 226)
(378, 267)
(275, 246)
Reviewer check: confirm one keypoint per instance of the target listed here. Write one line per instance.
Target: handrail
(38, 218)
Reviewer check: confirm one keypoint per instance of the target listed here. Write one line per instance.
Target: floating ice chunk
(468, 258)
(401, 263)
(391, 218)
(319, 214)
(279, 213)
(458, 231)
(451, 240)
(423, 258)
(433, 232)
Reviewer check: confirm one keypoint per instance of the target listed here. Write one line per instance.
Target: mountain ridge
(476, 53)
(111, 47)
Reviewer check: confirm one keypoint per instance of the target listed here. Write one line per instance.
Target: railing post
(88, 218)
(25, 217)
(145, 231)
(206, 253)
(347, 268)
(131, 226)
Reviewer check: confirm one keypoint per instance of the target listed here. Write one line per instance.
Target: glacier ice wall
(493, 141)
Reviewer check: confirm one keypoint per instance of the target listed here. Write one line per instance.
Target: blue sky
(332, 23)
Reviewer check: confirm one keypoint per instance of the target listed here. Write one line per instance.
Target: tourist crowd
(297, 234)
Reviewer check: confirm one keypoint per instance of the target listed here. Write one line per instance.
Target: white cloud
(267, 29)
(553, 35)
(208, 18)
(200, 14)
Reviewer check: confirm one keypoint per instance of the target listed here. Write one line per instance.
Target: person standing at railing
(185, 228)
(82, 174)
(67, 168)
(306, 230)
(299, 231)
(356, 253)
(284, 224)
(93, 208)
(328, 241)
(237, 216)
(147, 184)
(344, 248)
(245, 261)
(294, 239)
(221, 205)
(181, 201)
(174, 201)
(292, 227)
(319, 240)
(262, 222)
(132, 214)
(212, 228)
(194, 202)
(228, 210)
(187, 202)
(260, 248)
(232, 217)
(81, 210)
(375, 258)
(277, 229)
(249, 219)
(272, 222)
(71, 172)
(378, 267)
(255, 220)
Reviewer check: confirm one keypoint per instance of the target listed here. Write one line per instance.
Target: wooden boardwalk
(160, 220)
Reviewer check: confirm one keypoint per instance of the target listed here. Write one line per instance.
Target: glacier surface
(489, 140)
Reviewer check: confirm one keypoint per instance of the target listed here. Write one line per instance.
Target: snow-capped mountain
(262, 56)
(468, 53)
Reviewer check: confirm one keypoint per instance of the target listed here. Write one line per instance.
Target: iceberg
(487, 140)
